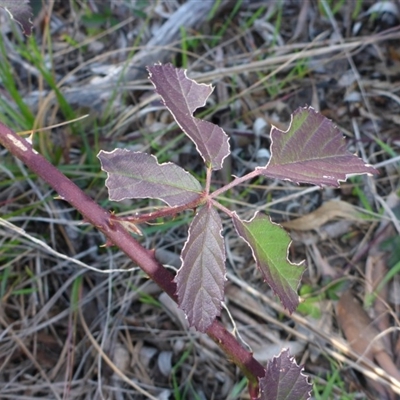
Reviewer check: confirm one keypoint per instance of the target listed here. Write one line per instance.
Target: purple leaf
(200, 280)
(284, 380)
(270, 243)
(182, 96)
(133, 175)
(312, 150)
(21, 12)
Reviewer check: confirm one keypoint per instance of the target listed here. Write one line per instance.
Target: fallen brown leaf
(358, 327)
(362, 335)
(329, 211)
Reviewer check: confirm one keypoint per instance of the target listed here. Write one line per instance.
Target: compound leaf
(312, 150)
(270, 243)
(135, 175)
(200, 280)
(182, 96)
(284, 380)
(21, 12)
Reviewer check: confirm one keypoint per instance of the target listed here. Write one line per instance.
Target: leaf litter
(261, 72)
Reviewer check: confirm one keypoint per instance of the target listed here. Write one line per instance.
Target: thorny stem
(117, 234)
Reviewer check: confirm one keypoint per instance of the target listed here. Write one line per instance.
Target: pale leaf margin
(201, 278)
(19, 11)
(183, 96)
(137, 175)
(312, 150)
(284, 380)
(287, 291)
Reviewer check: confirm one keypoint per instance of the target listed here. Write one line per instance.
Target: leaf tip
(21, 12)
(284, 379)
(182, 96)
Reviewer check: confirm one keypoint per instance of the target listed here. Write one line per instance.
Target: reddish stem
(163, 212)
(235, 182)
(222, 208)
(117, 234)
(208, 180)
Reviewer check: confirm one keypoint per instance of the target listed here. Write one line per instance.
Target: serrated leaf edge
(285, 352)
(335, 181)
(219, 166)
(183, 266)
(158, 164)
(11, 15)
(234, 215)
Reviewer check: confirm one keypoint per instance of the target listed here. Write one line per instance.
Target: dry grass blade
(265, 59)
(314, 335)
(21, 345)
(49, 250)
(108, 361)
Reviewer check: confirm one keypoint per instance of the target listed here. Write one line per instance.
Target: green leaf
(269, 243)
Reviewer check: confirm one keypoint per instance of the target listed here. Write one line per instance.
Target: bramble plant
(311, 151)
